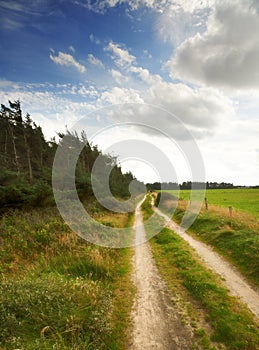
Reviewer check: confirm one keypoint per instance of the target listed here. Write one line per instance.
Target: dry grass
(57, 290)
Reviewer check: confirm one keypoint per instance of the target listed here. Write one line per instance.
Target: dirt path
(157, 323)
(231, 278)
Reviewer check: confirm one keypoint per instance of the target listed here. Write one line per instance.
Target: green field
(244, 199)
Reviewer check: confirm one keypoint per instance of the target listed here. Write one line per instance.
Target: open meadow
(241, 199)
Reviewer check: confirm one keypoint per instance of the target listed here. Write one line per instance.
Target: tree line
(187, 185)
(26, 160)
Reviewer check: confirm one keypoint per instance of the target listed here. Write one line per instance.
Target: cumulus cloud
(201, 110)
(89, 91)
(95, 61)
(65, 59)
(145, 76)
(227, 54)
(122, 57)
(118, 77)
(121, 95)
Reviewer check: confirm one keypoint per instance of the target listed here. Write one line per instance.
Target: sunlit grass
(57, 291)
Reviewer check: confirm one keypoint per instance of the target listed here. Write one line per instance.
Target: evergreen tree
(26, 160)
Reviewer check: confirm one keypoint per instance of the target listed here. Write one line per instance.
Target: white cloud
(156, 5)
(201, 110)
(227, 54)
(65, 59)
(122, 57)
(118, 77)
(145, 75)
(190, 6)
(95, 61)
(88, 91)
(121, 95)
(71, 48)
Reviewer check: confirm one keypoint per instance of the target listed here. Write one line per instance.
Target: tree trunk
(5, 148)
(16, 157)
(28, 156)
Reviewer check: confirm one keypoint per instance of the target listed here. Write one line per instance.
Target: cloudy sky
(172, 74)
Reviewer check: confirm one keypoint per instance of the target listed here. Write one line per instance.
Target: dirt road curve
(157, 324)
(231, 278)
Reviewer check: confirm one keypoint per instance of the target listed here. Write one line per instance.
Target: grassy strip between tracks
(232, 324)
(59, 292)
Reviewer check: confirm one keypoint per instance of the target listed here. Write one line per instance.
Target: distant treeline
(189, 185)
(26, 160)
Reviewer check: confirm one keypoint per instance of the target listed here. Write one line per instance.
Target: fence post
(206, 203)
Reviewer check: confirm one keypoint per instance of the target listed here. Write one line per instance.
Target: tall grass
(57, 291)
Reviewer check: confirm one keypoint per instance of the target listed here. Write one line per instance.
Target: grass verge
(234, 237)
(56, 290)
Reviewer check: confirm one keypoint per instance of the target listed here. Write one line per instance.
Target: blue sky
(196, 60)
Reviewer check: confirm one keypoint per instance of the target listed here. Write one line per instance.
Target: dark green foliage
(24, 195)
(165, 186)
(26, 160)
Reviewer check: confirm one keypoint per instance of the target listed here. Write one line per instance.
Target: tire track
(157, 322)
(232, 279)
